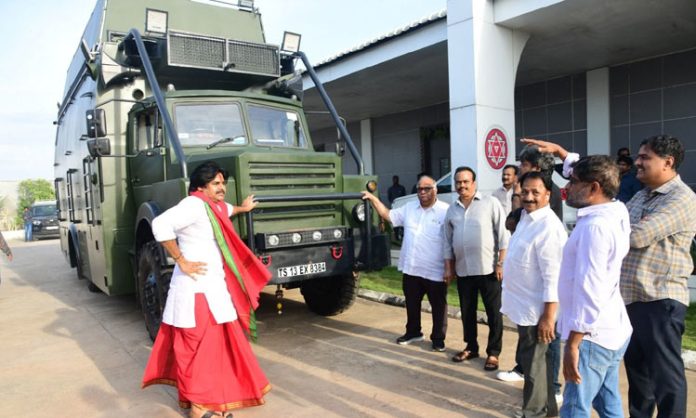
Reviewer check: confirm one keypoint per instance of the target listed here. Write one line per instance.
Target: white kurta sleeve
(174, 219)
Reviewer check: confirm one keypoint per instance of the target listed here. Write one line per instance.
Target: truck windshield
(43, 210)
(203, 124)
(276, 127)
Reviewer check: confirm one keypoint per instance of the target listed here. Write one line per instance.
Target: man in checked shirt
(654, 278)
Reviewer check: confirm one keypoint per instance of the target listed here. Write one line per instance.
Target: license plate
(51, 227)
(302, 269)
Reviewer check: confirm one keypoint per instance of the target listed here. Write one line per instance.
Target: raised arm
(546, 146)
(382, 210)
(5, 248)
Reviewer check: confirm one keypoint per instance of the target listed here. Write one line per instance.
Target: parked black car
(44, 220)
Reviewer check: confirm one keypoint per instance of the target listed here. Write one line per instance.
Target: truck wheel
(153, 285)
(93, 287)
(75, 258)
(330, 296)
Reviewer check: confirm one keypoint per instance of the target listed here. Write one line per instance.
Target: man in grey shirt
(474, 249)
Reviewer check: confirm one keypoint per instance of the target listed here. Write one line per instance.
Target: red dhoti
(212, 365)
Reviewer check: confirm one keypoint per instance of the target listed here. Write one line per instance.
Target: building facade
(462, 86)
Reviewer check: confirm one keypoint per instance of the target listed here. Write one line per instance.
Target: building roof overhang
(407, 69)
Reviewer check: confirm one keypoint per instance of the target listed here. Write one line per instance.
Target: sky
(42, 36)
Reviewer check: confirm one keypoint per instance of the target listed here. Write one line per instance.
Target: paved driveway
(67, 352)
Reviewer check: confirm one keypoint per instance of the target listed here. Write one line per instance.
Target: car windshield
(276, 127)
(203, 124)
(43, 210)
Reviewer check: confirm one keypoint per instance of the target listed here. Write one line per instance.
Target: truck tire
(93, 288)
(153, 286)
(330, 296)
(75, 260)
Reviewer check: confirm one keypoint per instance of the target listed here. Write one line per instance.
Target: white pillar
(598, 123)
(366, 145)
(483, 60)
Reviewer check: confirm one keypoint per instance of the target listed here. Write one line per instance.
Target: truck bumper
(298, 264)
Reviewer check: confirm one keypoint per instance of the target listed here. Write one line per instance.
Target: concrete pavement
(71, 353)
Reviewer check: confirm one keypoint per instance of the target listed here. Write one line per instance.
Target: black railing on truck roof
(332, 110)
(134, 35)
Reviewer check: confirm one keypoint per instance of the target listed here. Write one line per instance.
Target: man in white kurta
(189, 222)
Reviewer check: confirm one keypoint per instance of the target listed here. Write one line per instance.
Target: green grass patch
(689, 339)
(388, 280)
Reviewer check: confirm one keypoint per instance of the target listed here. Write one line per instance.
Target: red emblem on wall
(496, 148)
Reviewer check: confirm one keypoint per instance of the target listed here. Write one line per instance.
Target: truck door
(147, 167)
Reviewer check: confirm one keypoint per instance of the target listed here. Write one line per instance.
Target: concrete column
(598, 124)
(483, 59)
(366, 145)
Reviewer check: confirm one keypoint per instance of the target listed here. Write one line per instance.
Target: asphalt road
(66, 352)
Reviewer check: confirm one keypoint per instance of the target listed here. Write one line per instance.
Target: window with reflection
(206, 123)
(276, 127)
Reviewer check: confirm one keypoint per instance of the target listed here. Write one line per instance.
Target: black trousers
(415, 288)
(653, 360)
(538, 394)
(468, 288)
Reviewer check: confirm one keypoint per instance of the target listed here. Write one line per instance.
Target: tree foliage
(30, 191)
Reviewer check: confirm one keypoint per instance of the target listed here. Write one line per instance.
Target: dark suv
(44, 220)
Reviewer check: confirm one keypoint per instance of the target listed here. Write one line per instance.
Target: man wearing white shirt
(530, 291)
(421, 259)
(504, 193)
(593, 318)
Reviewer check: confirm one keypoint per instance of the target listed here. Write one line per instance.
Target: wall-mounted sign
(496, 148)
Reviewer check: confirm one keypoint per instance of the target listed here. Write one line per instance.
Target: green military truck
(159, 86)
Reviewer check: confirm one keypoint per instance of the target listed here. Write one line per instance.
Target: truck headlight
(273, 240)
(359, 212)
(37, 223)
(296, 238)
(338, 234)
(316, 236)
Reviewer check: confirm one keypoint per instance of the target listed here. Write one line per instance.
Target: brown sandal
(464, 355)
(491, 364)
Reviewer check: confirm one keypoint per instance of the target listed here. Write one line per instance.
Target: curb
(688, 356)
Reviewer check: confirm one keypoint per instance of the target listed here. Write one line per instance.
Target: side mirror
(96, 123)
(99, 147)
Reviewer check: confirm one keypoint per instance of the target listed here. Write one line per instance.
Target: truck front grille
(292, 178)
(295, 177)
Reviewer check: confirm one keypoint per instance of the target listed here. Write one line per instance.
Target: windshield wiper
(224, 140)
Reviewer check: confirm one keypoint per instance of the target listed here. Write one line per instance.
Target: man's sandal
(491, 364)
(211, 414)
(464, 355)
